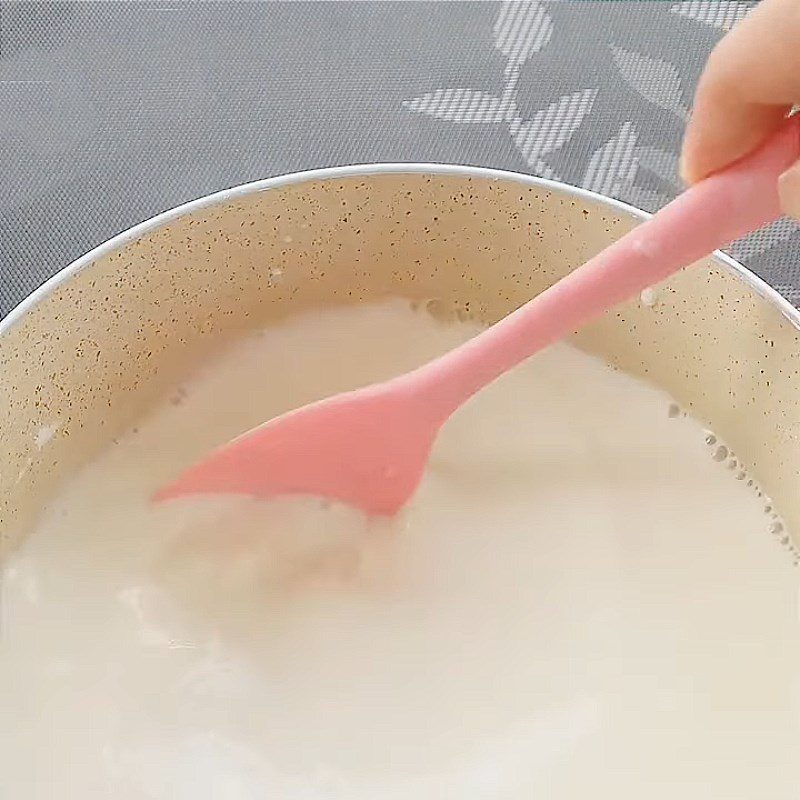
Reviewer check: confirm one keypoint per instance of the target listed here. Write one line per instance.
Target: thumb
(789, 190)
(750, 82)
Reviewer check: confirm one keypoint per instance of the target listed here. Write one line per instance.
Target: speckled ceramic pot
(86, 352)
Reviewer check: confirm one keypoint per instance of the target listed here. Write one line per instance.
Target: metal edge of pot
(14, 317)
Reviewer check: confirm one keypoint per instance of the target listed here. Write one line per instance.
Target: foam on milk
(583, 600)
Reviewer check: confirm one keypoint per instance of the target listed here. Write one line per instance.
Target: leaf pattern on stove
(549, 129)
(522, 29)
(463, 106)
(612, 166)
(722, 14)
(656, 80)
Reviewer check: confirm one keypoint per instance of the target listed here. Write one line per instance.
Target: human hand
(750, 83)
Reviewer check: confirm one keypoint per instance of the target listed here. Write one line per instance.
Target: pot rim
(17, 314)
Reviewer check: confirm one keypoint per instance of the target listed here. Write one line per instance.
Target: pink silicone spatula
(369, 447)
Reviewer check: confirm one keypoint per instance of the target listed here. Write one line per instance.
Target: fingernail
(687, 174)
(683, 171)
(789, 191)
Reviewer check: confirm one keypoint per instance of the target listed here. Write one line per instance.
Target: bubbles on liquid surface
(722, 454)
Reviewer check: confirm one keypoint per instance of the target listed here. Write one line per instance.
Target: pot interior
(86, 359)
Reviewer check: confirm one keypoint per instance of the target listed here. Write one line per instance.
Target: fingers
(751, 81)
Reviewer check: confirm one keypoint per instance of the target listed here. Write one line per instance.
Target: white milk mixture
(580, 602)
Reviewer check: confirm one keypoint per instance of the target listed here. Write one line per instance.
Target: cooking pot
(87, 352)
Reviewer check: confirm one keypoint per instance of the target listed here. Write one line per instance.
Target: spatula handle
(705, 217)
